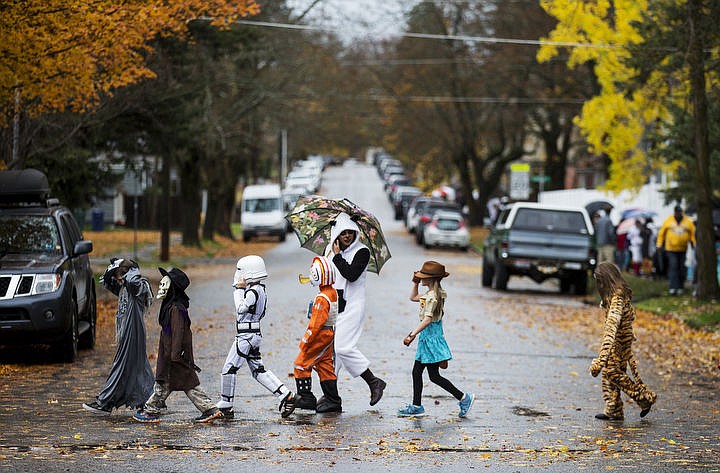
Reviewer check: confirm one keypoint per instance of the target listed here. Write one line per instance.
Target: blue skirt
(432, 347)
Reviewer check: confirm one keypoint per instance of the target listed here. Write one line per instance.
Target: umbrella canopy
(625, 226)
(312, 218)
(638, 213)
(597, 205)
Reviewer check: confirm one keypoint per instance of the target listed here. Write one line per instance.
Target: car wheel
(487, 273)
(282, 237)
(87, 339)
(69, 344)
(581, 283)
(565, 285)
(245, 237)
(501, 276)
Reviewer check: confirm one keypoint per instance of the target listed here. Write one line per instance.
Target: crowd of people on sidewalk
(638, 246)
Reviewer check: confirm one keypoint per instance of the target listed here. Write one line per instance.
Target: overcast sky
(358, 19)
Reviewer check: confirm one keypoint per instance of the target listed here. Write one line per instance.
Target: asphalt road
(534, 409)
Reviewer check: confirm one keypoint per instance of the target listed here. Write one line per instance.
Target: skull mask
(164, 287)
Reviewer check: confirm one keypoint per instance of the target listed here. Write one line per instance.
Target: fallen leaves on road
(672, 345)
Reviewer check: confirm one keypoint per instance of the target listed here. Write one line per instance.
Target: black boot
(376, 385)
(306, 399)
(330, 402)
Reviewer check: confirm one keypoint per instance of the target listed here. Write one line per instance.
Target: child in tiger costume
(616, 350)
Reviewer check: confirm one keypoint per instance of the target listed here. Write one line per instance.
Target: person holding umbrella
(350, 258)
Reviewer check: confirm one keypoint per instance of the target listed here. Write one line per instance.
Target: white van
(262, 212)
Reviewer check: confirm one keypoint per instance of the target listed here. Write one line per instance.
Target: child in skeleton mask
(176, 369)
(316, 345)
(250, 303)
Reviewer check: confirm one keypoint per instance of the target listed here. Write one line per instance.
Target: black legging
(435, 377)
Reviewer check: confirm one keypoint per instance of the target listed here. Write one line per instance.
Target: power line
(442, 99)
(476, 39)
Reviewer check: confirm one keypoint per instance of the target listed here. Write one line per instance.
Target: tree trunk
(191, 202)
(165, 211)
(707, 273)
(208, 228)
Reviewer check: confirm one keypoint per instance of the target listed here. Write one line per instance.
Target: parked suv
(47, 290)
(541, 242)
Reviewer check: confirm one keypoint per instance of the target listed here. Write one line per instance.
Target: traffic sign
(542, 178)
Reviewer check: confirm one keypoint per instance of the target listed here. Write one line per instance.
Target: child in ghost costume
(316, 345)
(250, 303)
(350, 258)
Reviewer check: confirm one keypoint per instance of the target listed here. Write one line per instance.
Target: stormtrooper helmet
(322, 272)
(252, 268)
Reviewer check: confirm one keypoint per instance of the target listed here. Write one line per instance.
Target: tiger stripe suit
(615, 356)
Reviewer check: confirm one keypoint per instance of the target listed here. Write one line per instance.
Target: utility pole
(283, 156)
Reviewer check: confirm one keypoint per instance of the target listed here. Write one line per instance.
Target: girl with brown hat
(432, 351)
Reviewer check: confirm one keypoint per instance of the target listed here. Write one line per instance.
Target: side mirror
(82, 247)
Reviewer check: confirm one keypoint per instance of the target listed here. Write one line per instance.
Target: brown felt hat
(431, 269)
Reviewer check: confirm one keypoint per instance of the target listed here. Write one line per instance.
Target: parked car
(47, 289)
(263, 212)
(541, 242)
(426, 214)
(412, 215)
(402, 198)
(395, 181)
(447, 228)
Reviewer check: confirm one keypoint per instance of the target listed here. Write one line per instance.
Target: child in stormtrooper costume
(250, 304)
(316, 345)
(350, 258)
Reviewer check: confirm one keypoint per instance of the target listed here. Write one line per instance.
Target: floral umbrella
(312, 218)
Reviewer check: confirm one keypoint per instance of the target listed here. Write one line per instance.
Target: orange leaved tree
(65, 54)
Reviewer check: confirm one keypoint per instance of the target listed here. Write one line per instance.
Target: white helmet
(322, 272)
(252, 268)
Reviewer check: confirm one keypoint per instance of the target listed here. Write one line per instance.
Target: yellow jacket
(676, 236)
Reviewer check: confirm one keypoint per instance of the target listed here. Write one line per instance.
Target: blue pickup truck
(540, 242)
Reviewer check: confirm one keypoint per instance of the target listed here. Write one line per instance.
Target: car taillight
(504, 245)
(424, 219)
(461, 224)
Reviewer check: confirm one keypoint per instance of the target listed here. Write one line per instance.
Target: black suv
(47, 290)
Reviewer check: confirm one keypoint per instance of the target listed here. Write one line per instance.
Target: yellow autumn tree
(60, 54)
(614, 121)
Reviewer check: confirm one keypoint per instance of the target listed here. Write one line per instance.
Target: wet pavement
(534, 408)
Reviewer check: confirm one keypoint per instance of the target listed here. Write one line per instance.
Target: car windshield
(29, 234)
(553, 220)
(262, 205)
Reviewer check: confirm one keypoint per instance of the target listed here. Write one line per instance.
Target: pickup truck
(541, 242)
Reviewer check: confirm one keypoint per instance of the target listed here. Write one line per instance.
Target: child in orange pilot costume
(316, 345)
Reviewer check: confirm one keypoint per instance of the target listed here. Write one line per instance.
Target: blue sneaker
(466, 403)
(411, 410)
(145, 418)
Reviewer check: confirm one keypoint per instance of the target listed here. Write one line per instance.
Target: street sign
(542, 178)
(519, 181)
